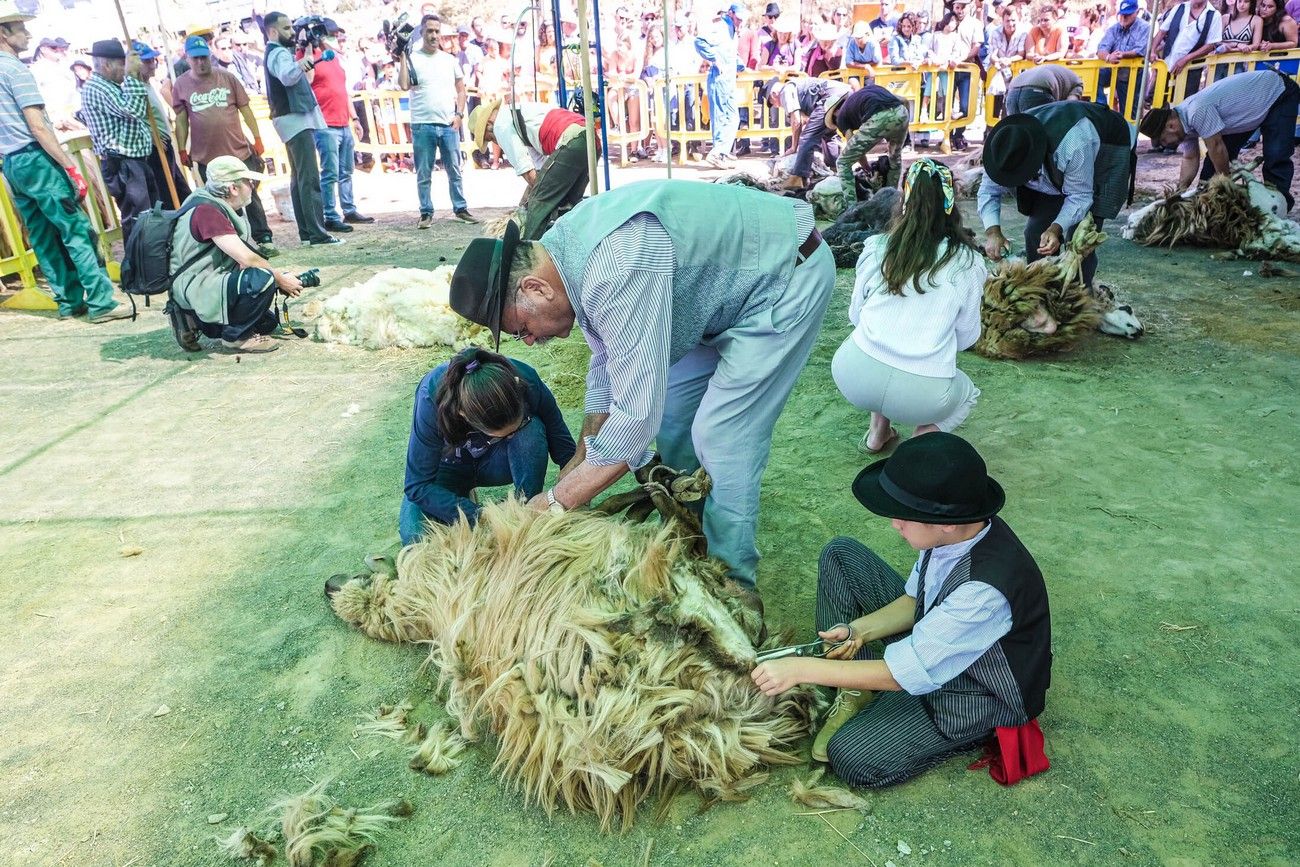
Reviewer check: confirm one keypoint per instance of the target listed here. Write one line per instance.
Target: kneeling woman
(915, 304)
(481, 420)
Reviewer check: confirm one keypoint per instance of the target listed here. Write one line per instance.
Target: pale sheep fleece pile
(607, 661)
(401, 307)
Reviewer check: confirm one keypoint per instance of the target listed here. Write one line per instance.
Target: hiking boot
(121, 311)
(182, 328)
(426, 222)
(338, 226)
(357, 217)
(846, 705)
(76, 311)
(267, 250)
(465, 216)
(257, 344)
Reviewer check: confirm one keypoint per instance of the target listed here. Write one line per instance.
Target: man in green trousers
(47, 187)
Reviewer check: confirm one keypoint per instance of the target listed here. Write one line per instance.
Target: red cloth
(331, 88)
(557, 120)
(1014, 752)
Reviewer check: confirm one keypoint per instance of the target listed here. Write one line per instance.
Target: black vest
(1116, 164)
(1006, 686)
(298, 99)
(861, 104)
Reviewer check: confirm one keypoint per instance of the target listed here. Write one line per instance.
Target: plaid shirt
(116, 116)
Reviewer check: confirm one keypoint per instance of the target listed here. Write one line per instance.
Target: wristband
(553, 504)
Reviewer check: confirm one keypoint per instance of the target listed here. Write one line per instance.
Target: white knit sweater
(922, 333)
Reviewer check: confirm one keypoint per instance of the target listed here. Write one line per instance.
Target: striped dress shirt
(1235, 104)
(116, 116)
(1075, 158)
(952, 635)
(625, 310)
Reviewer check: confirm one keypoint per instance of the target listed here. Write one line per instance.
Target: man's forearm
(581, 486)
(250, 121)
(1190, 166)
(45, 137)
(872, 674)
(1218, 154)
(898, 616)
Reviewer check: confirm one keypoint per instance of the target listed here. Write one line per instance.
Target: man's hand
(455, 123)
(539, 503)
(78, 182)
(184, 157)
(306, 64)
(288, 283)
(779, 675)
(1178, 65)
(995, 244)
(1050, 243)
(258, 147)
(851, 636)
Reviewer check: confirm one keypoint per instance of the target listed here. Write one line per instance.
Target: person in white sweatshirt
(915, 304)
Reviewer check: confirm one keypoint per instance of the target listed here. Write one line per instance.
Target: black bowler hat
(1015, 150)
(478, 287)
(109, 49)
(936, 478)
(772, 11)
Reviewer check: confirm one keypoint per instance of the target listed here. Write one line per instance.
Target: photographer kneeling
(222, 287)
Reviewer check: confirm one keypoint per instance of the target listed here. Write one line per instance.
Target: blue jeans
(335, 147)
(431, 140)
(520, 460)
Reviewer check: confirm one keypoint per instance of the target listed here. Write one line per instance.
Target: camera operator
(296, 116)
(438, 94)
(222, 287)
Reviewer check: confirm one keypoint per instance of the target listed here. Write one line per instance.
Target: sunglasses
(478, 443)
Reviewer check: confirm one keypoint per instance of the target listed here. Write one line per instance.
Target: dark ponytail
(482, 391)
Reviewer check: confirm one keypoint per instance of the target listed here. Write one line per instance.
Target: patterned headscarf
(927, 166)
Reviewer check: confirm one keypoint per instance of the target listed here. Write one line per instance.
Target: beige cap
(9, 13)
(225, 170)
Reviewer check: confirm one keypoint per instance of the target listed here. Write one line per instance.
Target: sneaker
(267, 250)
(847, 704)
(660, 157)
(255, 344)
(465, 216)
(338, 226)
(426, 222)
(76, 311)
(715, 159)
(121, 311)
(326, 241)
(356, 217)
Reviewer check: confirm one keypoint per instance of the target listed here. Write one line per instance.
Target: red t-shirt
(331, 88)
(208, 222)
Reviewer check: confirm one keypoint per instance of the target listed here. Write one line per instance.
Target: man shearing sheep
(701, 303)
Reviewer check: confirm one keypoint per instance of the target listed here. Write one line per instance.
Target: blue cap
(196, 46)
(1128, 7)
(146, 52)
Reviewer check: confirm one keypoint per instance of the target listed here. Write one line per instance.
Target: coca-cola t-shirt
(212, 107)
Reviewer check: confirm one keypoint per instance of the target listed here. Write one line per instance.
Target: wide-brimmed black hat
(109, 49)
(772, 11)
(478, 287)
(1014, 151)
(936, 478)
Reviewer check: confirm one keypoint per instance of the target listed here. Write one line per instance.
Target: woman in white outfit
(915, 304)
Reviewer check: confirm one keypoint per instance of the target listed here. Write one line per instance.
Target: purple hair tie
(472, 366)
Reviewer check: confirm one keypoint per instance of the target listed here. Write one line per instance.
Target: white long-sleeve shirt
(917, 333)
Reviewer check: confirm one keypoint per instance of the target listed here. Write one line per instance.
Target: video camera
(397, 36)
(309, 32)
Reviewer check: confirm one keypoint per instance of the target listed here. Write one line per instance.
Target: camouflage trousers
(890, 126)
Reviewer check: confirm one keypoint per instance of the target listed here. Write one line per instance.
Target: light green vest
(202, 286)
(735, 249)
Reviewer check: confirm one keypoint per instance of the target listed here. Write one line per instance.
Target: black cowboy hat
(772, 11)
(936, 478)
(1014, 151)
(478, 286)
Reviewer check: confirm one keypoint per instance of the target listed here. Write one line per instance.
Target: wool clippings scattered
(401, 307)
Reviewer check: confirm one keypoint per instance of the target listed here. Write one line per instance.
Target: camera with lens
(309, 31)
(397, 36)
(310, 279)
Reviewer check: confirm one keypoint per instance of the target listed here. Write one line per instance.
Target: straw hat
(478, 120)
(10, 13)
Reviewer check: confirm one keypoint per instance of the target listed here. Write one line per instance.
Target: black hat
(478, 287)
(936, 478)
(772, 11)
(1153, 124)
(109, 49)
(766, 88)
(1015, 150)
(57, 42)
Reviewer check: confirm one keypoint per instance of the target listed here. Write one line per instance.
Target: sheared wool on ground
(607, 662)
(867, 217)
(1018, 290)
(1222, 216)
(400, 307)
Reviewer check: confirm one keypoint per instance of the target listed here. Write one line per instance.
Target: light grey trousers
(873, 386)
(723, 400)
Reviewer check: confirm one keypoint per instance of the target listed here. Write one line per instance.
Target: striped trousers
(893, 738)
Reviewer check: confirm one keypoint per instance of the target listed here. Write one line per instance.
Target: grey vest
(298, 99)
(735, 249)
(202, 286)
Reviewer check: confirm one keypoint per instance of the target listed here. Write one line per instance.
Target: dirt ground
(1155, 482)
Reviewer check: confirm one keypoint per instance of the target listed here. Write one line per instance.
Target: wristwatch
(553, 504)
(460, 114)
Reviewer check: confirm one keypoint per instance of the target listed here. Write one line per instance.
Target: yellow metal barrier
(16, 257)
(1215, 66)
(98, 205)
(853, 76)
(627, 114)
(1119, 92)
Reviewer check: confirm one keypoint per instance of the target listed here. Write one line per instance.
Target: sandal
(257, 344)
(889, 441)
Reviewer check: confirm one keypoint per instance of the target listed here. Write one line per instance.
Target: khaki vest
(202, 286)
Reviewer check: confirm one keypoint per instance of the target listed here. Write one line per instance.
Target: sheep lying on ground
(606, 659)
(400, 307)
(869, 216)
(1234, 212)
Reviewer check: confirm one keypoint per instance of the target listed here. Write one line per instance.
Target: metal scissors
(818, 648)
